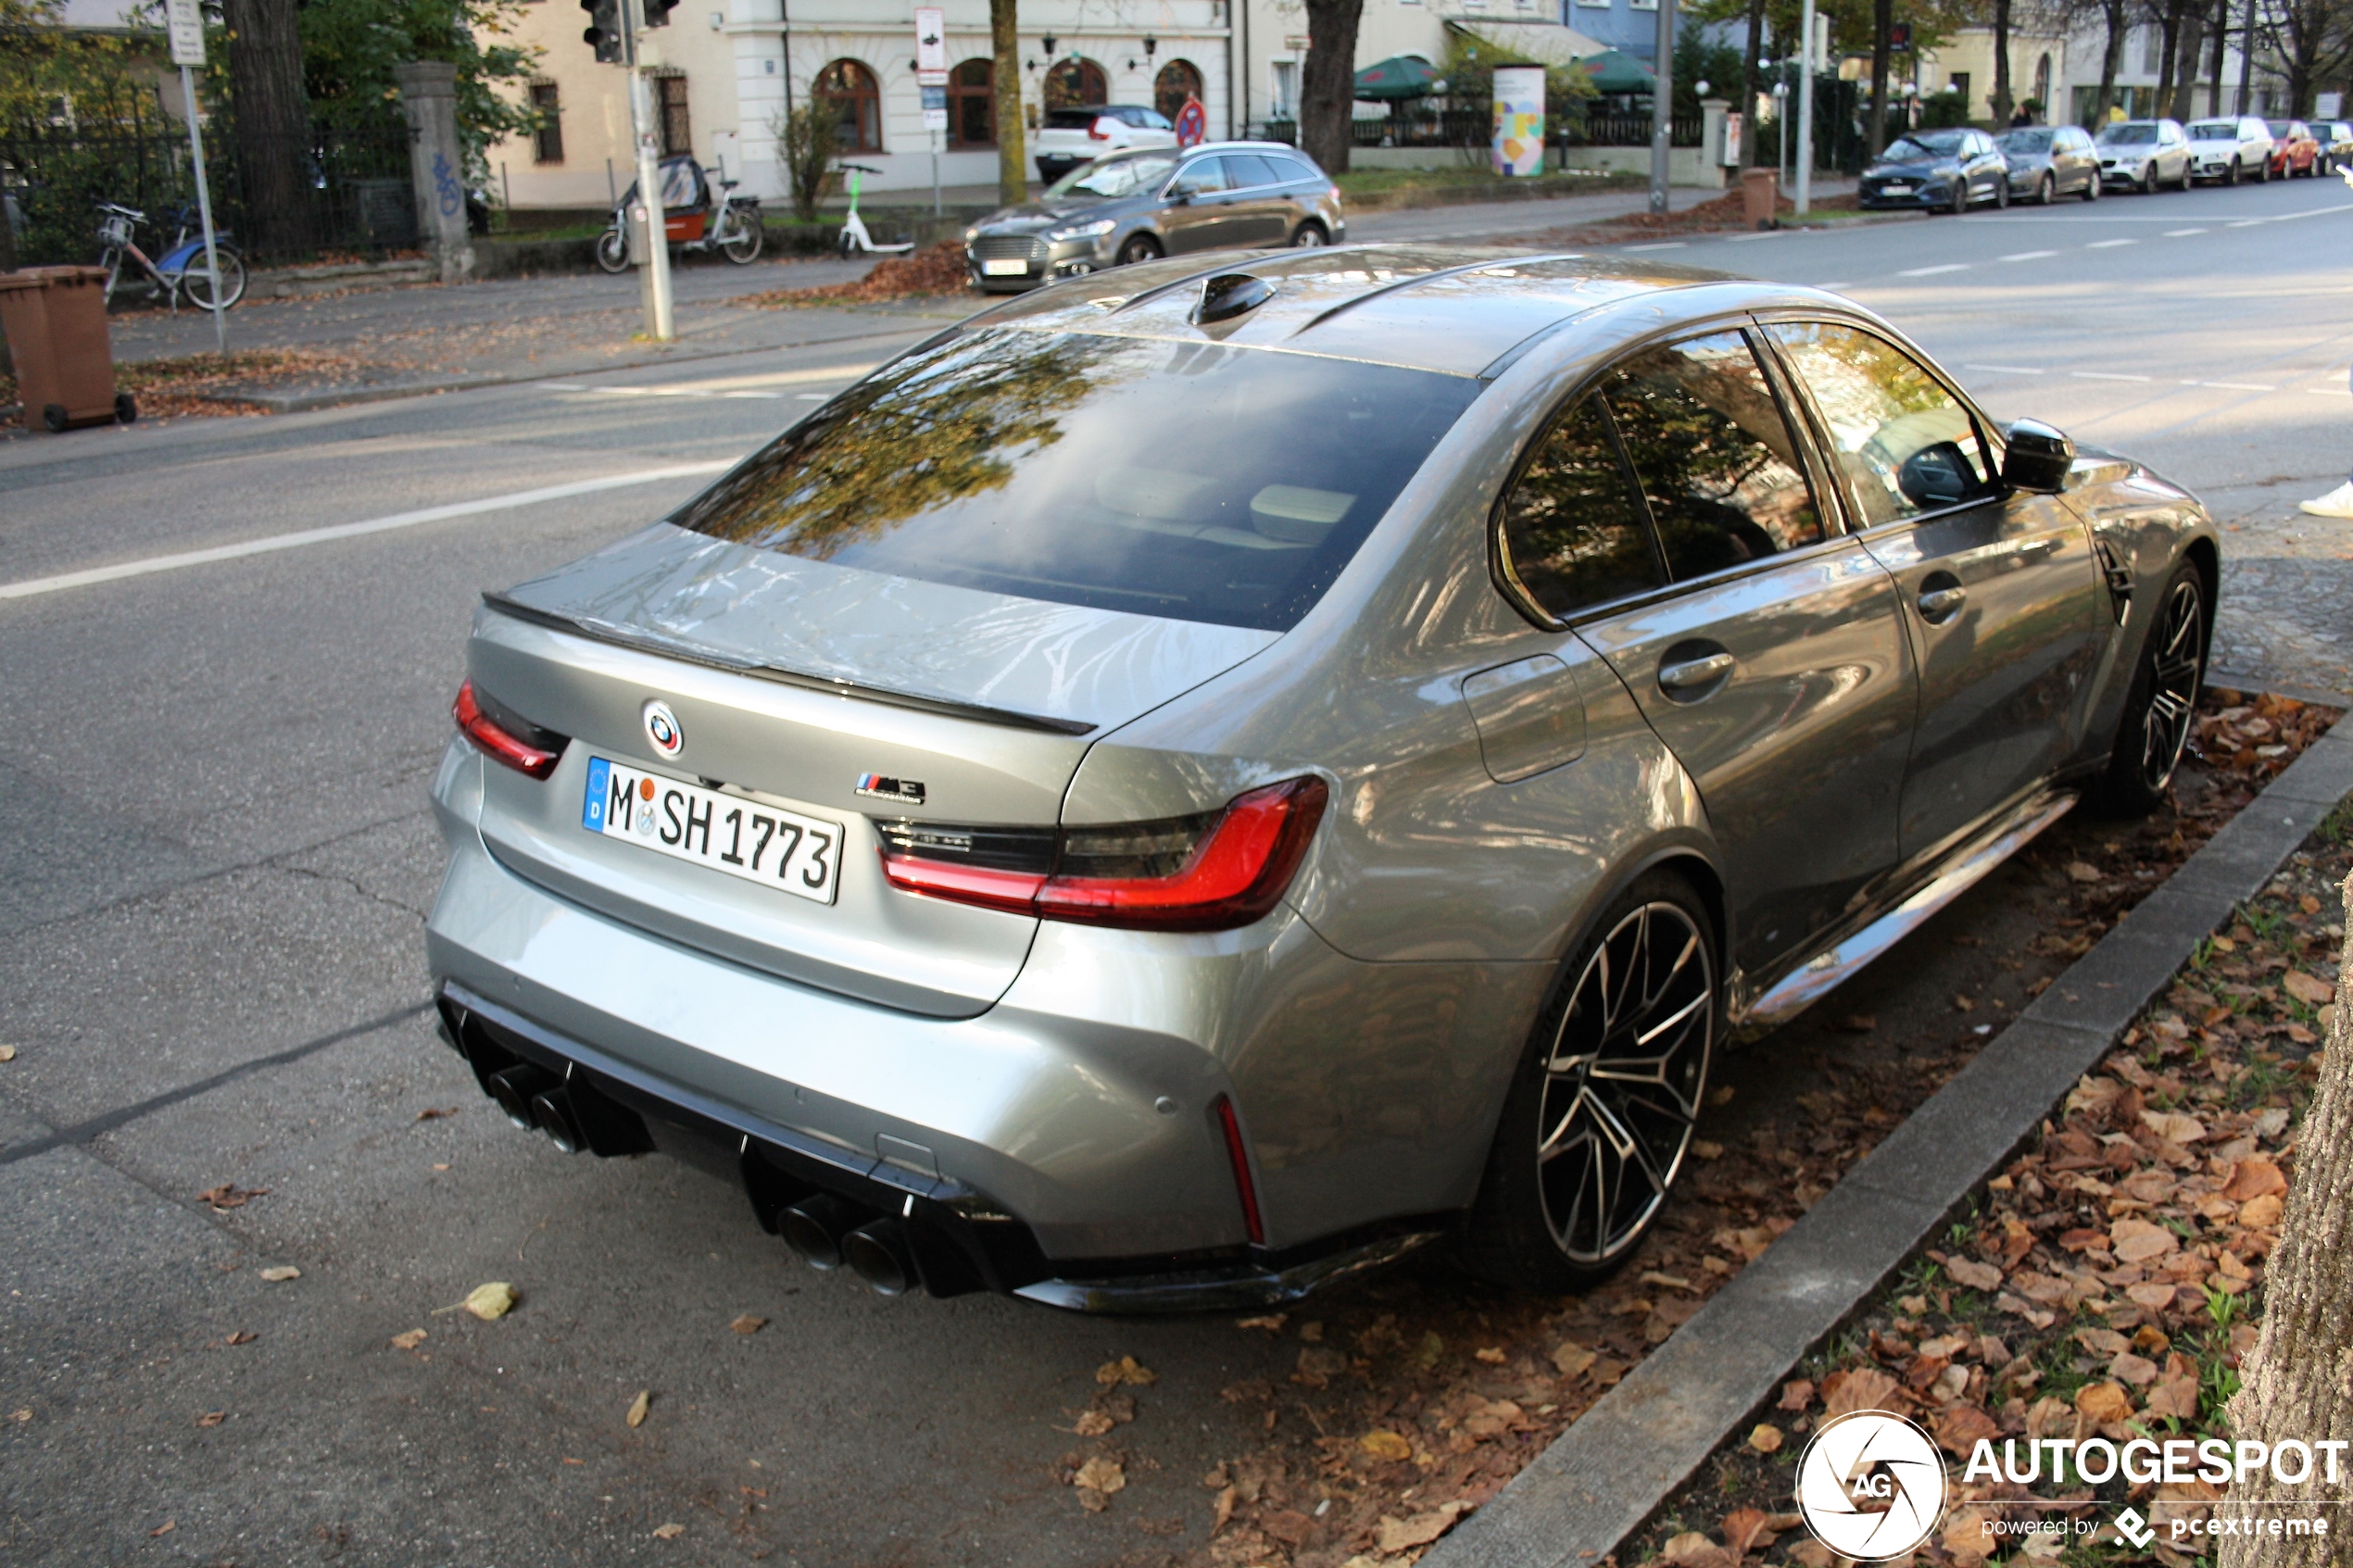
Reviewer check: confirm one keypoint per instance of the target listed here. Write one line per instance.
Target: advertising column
(1519, 120)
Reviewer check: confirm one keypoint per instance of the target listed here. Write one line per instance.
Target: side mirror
(2038, 457)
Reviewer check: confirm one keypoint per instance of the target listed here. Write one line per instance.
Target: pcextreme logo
(1870, 1486)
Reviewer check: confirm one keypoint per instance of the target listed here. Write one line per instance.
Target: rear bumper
(1077, 1114)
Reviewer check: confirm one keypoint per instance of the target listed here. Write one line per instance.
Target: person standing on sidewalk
(2339, 501)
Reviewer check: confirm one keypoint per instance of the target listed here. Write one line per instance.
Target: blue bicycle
(181, 270)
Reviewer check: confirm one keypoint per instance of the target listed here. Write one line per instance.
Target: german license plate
(726, 833)
(1896, 190)
(1013, 269)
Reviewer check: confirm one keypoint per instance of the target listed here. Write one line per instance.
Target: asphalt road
(215, 859)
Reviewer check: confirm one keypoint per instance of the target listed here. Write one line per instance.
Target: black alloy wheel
(1600, 1118)
(1961, 196)
(1138, 247)
(1308, 235)
(2162, 706)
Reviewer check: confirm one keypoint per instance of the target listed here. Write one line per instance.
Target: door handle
(1684, 674)
(1940, 605)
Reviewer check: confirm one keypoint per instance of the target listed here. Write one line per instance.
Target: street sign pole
(1805, 110)
(654, 282)
(931, 80)
(186, 24)
(1663, 105)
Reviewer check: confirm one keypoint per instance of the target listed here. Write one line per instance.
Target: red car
(2294, 150)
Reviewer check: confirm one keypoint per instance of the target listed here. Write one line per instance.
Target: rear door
(1775, 665)
(1261, 214)
(1999, 590)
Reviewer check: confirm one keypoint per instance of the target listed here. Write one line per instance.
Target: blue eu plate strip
(592, 805)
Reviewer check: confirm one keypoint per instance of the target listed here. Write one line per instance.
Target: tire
(2002, 194)
(54, 416)
(2092, 187)
(2046, 192)
(2155, 727)
(847, 244)
(612, 251)
(2232, 177)
(1960, 198)
(126, 409)
(2148, 183)
(1136, 248)
(1564, 1221)
(197, 280)
(743, 246)
(1309, 235)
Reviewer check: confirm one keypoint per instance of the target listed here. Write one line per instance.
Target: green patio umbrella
(1615, 71)
(1400, 76)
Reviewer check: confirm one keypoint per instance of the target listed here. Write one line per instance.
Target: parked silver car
(1142, 205)
(2141, 155)
(1208, 777)
(2230, 149)
(2050, 162)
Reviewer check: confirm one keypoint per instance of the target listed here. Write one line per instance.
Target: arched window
(971, 106)
(851, 87)
(1176, 81)
(1074, 81)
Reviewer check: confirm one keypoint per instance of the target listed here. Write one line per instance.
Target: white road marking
(2106, 375)
(2110, 245)
(812, 396)
(1933, 271)
(2027, 256)
(2247, 223)
(2007, 370)
(1759, 234)
(1669, 245)
(2233, 385)
(2180, 233)
(2330, 391)
(31, 586)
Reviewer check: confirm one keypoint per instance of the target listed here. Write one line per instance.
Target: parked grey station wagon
(1210, 776)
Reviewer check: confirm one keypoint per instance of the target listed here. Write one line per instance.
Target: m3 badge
(907, 792)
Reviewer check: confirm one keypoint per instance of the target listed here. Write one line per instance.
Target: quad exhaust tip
(878, 1253)
(814, 1228)
(517, 1088)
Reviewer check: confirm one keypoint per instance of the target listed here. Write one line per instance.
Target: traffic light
(1899, 37)
(603, 32)
(658, 12)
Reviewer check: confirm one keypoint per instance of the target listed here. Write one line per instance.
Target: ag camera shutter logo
(1870, 1486)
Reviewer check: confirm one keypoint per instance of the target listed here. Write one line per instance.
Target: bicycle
(854, 237)
(698, 214)
(181, 268)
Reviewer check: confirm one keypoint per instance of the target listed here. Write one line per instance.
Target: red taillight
(1233, 871)
(1239, 1152)
(1096, 133)
(514, 751)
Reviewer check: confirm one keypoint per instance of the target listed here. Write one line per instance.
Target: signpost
(186, 21)
(1663, 105)
(931, 79)
(1805, 110)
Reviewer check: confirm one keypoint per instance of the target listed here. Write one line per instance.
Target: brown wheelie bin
(56, 321)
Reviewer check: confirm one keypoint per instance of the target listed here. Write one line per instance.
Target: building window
(547, 142)
(1074, 83)
(669, 105)
(972, 105)
(1286, 89)
(851, 89)
(1177, 80)
(2152, 50)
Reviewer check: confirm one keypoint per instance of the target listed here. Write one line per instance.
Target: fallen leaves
(409, 1339)
(278, 1273)
(2308, 989)
(2079, 872)
(1865, 1388)
(1404, 1534)
(212, 1418)
(2253, 1177)
(2138, 1241)
(669, 1532)
(1974, 1274)
(1570, 1358)
(637, 1409)
(1386, 1446)
(1765, 1437)
(490, 1302)
(748, 1323)
(433, 1114)
(1098, 1481)
(1125, 1370)
(2104, 1403)
(227, 1196)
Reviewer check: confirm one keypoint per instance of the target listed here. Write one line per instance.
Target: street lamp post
(1805, 110)
(1663, 105)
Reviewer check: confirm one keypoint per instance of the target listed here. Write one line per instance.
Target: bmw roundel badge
(662, 728)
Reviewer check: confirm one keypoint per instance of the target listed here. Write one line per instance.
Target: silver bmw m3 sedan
(1206, 777)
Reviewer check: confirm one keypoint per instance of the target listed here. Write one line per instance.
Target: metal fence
(1450, 126)
(331, 194)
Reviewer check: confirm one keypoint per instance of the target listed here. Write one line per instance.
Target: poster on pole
(931, 41)
(935, 106)
(184, 21)
(1519, 121)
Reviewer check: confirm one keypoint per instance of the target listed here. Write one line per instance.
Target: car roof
(1452, 308)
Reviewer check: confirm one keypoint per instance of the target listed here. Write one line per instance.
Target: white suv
(2229, 150)
(1086, 132)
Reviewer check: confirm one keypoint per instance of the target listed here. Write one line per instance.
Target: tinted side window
(1574, 529)
(1905, 445)
(1202, 176)
(1248, 171)
(1713, 455)
(1292, 168)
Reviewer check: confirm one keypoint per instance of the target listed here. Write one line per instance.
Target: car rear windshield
(1071, 120)
(1195, 480)
(2214, 131)
(2279, 127)
(2025, 141)
(2130, 134)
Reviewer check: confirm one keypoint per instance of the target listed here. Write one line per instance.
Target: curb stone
(1603, 1478)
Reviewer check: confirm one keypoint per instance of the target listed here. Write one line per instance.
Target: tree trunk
(2170, 33)
(2111, 59)
(2222, 47)
(1750, 130)
(270, 121)
(1004, 42)
(2298, 1382)
(1328, 83)
(2193, 45)
(1875, 131)
(2246, 62)
(2002, 104)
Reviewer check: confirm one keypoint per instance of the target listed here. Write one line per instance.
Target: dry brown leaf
(638, 1407)
(2254, 1178)
(409, 1340)
(490, 1302)
(1796, 1394)
(1862, 1390)
(1959, 1427)
(2308, 989)
(1692, 1550)
(1272, 1321)
(749, 1324)
(669, 1532)
(228, 1195)
(1386, 1446)
(1124, 1370)
(1571, 1359)
(2176, 1398)
(2137, 1371)
(1492, 1355)
(2101, 1403)
(1092, 1424)
(2078, 871)
(1975, 1276)
(2260, 1214)
(2174, 1126)
(2137, 1241)
(2152, 1294)
(1099, 1474)
(7, 1053)
(434, 1113)
(212, 1418)
(1765, 1437)
(1222, 1508)
(1404, 1534)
